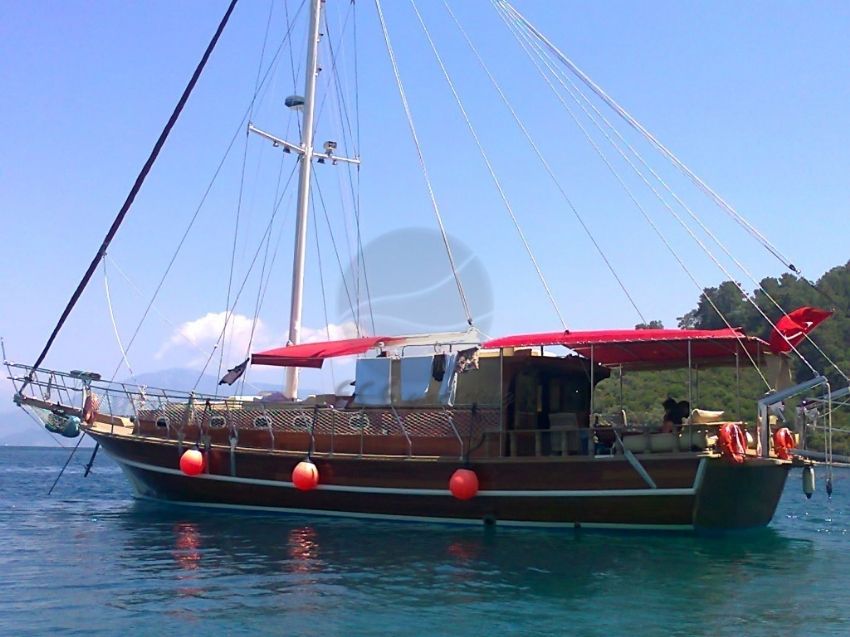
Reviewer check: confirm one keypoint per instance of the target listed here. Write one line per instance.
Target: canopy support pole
(590, 429)
(501, 401)
(690, 376)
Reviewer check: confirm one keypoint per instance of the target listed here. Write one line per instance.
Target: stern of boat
(739, 496)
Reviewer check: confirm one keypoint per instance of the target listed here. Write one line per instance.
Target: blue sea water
(89, 560)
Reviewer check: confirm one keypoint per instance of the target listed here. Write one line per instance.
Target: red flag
(793, 327)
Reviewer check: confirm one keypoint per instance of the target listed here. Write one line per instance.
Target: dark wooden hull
(694, 491)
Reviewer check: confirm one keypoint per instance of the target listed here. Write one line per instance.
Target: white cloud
(198, 337)
(201, 335)
(337, 332)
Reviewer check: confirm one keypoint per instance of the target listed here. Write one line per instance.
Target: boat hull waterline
(693, 492)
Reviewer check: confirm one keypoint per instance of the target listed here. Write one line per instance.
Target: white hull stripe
(419, 518)
(559, 493)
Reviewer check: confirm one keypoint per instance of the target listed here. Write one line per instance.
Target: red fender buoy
(463, 484)
(192, 462)
(305, 476)
(732, 442)
(90, 407)
(783, 442)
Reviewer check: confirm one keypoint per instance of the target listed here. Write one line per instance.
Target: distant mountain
(184, 380)
(17, 429)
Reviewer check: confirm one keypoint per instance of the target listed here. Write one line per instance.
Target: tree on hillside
(652, 325)
(642, 392)
(726, 299)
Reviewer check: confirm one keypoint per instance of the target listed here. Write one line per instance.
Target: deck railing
(330, 425)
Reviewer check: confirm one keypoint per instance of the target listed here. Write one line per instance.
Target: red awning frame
(647, 349)
(314, 354)
(630, 349)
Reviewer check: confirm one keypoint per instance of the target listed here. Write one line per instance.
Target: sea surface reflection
(132, 567)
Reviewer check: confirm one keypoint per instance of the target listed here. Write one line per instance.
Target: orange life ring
(783, 442)
(732, 442)
(90, 408)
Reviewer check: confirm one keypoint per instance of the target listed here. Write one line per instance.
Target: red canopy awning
(314, 354)
(635, 349)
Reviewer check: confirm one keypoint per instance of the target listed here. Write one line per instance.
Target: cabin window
(217, 422)
(528, 393)
(261, 422)
(568, 394)
(163, 422)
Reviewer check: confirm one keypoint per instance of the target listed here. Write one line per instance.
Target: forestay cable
(185, 235)
(131, 197)
(685, 226)
(705, 188)
(637, 204)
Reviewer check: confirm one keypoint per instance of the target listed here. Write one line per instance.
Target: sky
(753, 96)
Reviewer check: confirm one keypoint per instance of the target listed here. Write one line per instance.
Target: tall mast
(307, 154)
(291, 387)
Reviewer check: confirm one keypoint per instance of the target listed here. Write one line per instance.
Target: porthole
(261, 422)
(359, 422)
(302, 421)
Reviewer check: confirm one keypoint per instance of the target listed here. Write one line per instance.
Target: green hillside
(643, 392)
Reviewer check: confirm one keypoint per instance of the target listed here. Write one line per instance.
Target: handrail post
(454, 429)
(400, 422)
(776, 397)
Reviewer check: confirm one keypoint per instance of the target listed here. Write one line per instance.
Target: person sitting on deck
(675, 414)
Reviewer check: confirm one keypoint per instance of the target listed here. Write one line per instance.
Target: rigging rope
(422, 165)
(112, 318)
(230, 309)
(637, 204)
(322, 286)
(156, 310)
(137, 185)
(333, 243)
(227, 314)
(344, 122)
(260, 288)
(332, 83)
(289, 25)
(361, 264)
(705, 188)
(692, 214)
(235, 136)
(490, 169)
(546, 165)
(573, 93)
(65, 466)
(360, 255)
(241, 186)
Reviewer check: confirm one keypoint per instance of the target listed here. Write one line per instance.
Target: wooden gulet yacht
(439, 427)
(519, 422)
